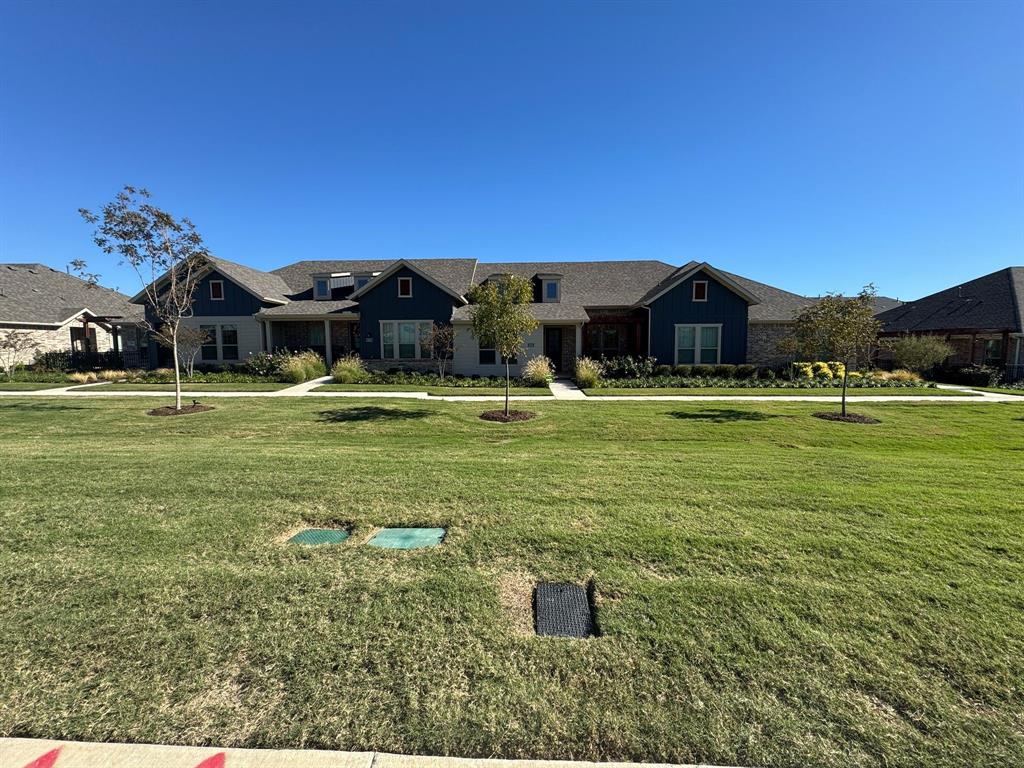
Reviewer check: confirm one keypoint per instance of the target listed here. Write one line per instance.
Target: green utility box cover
(316, 536)
(407, 538)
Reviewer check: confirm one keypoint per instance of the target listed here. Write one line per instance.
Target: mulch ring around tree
(170, 410)
(512, 416)
(850, 418)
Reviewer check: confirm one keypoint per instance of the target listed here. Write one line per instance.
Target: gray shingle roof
(311, 307)
(35, 293)
(265, 285)
(776, 305)
(454, 274)
(589, 283)
(991, 302)
(552, 311)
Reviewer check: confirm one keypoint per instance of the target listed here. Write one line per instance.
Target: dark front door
(553, 346)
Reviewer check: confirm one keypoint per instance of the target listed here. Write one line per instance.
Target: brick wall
(762, 343)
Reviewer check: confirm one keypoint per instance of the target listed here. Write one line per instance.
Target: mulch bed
(850, 418)
(169, 410)
(512, 416)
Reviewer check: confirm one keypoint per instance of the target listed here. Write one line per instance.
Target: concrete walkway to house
(566, 389)
(45, 753)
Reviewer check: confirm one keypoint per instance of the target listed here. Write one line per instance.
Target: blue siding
(428, 302)
(237, 301)
(677, 307)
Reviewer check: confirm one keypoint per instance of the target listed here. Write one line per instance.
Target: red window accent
(700, 290)
(404, 287)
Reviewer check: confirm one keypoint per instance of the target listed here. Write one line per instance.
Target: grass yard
(785, 391)
(456, 391)
(1002, 390)
(25, 386)
(261, 386)
(772, 589)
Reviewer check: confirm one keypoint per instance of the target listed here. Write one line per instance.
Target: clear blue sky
(814, 146)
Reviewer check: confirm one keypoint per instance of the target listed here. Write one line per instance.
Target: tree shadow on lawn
(40, 407)
(371, 413)
(723, 415)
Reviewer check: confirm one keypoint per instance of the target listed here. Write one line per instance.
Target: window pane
(552, 289)
(709, 336)
(228, 334)
(686, 357)
(321, 287)
(700, 291)
(388, 336)
(487, 357)
(230, 352)
(316, 335)
(209, 351)
(407, 341)
(685, 336)
(709, 356)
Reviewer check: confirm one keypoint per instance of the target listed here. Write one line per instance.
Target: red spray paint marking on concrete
(45, 761)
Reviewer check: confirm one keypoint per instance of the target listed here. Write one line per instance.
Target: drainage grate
(407, 538)
(562, 610)
(316, 536)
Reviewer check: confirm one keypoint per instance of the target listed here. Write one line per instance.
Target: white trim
(318, 316)
(696, 341)
(404, 281)
(141, 297)
(729, 283)
(395, 343)
(693, 295)
(382, 276)
(221, 284)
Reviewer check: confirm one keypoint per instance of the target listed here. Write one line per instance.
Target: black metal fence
(85, 361)
(1014, 373)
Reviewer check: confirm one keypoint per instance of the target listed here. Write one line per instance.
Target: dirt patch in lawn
(512, 416)
(170, 410)
(516, 592)
(850, 418)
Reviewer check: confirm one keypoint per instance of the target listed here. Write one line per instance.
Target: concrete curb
(48, 753)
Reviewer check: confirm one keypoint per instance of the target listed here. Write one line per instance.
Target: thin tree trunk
(507, 374)
(177, 370)
(845, 374)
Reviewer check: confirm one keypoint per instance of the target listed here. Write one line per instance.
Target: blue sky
(814, 146)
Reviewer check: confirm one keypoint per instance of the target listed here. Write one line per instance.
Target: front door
(553, 346)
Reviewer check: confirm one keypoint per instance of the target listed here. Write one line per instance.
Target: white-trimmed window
(700, 290)
(322, 288)
(698, 344)
(209, 349)
(551, 290)
(405, 287)
(216, 290)
(403, 339)
(221, 343)
(228, 342)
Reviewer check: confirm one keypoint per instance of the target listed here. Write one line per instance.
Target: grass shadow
(40, 407)
(371, 413)
(723, 415)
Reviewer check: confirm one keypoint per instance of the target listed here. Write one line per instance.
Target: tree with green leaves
(439, 341)
(837, 328)
(501, 317)
(166, 253)
(919, 353)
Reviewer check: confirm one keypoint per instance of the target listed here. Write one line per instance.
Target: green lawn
(262, 386)
(1002, 390)
(7, 386)
(786, 391)
(457, 391)
(772, 589)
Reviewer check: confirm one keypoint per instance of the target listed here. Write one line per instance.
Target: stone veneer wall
(56, 339)
(762, 343)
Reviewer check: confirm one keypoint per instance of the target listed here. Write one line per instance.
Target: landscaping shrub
(745, 371)
(82, 377)
(349, 370)
(684, 371)
(303, 366)
(626, 367)
(725, 371)
(902, 374)
(919, 353)
(821, 370)
(588, 372)
(705, 371)
(538, 371)
(663, 370)
(109, 375)
(970, 376)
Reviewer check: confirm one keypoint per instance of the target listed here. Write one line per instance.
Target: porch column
(327, 344)
(579, 340)
(115, 337)
(269, 328)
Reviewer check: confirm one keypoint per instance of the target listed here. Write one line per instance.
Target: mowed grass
(455, 391)
(259, 386)
(783, 391)
(772, 589)
(24, 386)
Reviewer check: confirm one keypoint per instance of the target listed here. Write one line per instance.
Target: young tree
(501, 317)
(919, 353)
(15, 347)
(166, 253)
(837, 328)
(440, 341)
(190, 342)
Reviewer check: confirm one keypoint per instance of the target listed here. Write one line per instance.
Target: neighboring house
(64, 313)
(695, 313)
(982, 319)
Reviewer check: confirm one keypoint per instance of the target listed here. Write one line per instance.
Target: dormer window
(322, 288)
(405, 287)
(551, 290)
(217, 290)
(700, 290)
(361, 280)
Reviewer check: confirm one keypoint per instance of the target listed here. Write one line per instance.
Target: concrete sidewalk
(45, 753)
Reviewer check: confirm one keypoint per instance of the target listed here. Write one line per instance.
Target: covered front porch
(331, 337)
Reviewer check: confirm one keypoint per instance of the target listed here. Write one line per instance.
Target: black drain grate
(562, 610)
